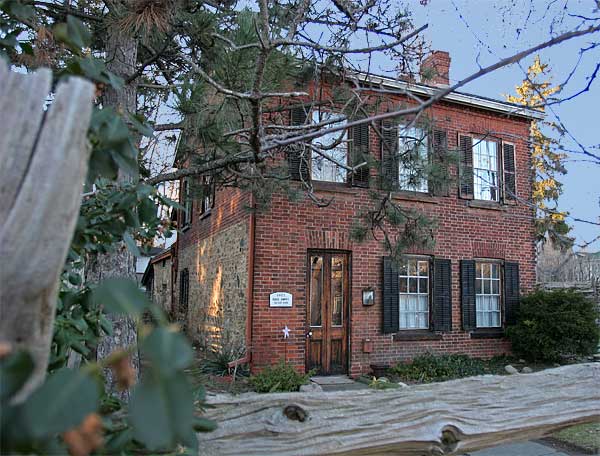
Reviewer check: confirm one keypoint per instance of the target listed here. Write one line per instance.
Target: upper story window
(413, 281)
(208, 195)
(329, 152)
(487, 295)
(413, 158)
(186, 201)
(485, 170)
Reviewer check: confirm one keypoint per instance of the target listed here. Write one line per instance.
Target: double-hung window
(330, 151)
(485, 170)
(488, 295)
(413, 159)
(414, 293)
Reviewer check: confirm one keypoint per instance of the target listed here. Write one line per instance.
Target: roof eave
(456, 97)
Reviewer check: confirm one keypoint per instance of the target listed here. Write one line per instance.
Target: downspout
(249, 289)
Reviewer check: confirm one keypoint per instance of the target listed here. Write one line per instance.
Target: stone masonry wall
(161, 284)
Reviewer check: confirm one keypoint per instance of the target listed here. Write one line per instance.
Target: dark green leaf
(131, 245)
(61, 403)
(166, 406)
(121, 296)
(15, 369)
(167, 350)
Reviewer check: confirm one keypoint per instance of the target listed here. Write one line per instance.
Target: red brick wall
(287, 230)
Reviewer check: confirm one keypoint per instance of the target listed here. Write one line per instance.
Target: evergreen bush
(555, 324)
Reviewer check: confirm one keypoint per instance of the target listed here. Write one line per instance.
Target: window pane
(414, 294)
(485, 170)
(322, 168)
(403, 284)
(413, 159)
(423, 288)
(495, 286)
(412, 285)
(412, 267)
(478, 286)
(478, 270)
(495, 271)
(337, 290)
(486, 286)
(316, 290)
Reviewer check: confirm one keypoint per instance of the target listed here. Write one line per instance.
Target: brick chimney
(437, 69)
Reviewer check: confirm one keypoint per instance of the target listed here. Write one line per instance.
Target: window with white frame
(485, 170)
(487, 295)
(414, 293)
(330, 151)
(413, 159)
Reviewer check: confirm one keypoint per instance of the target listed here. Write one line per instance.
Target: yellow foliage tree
(548, 161)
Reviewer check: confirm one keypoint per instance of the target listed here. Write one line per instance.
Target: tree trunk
(121, 57)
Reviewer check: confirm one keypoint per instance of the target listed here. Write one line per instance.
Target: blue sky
(483, 31)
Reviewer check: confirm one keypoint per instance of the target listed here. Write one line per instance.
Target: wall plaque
(280, 299)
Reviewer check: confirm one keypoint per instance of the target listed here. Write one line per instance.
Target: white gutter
(455, 97)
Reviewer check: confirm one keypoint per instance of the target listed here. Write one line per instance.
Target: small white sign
(280, 299)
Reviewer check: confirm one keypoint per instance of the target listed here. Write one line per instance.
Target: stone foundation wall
(218, 278)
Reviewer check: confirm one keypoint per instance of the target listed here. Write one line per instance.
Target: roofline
(455, 97)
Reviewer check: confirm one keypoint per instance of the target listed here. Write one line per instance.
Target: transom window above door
(414, 293)
(329, 152)
(413, 157)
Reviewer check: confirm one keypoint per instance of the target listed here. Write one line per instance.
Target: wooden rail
(434, 419)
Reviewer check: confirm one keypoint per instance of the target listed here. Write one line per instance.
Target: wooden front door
(327, 312)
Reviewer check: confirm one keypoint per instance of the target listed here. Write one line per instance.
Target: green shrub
(281, 377)
(217, 363)
(552, 324)
(436, 368)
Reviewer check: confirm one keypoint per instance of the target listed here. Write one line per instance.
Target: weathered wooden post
(43, 163)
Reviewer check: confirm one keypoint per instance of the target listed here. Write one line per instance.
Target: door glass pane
(316, 289)
(337, 290)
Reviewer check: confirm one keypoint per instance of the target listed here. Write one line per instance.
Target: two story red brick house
(290, 282)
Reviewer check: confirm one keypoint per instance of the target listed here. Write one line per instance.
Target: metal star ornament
(286, 332)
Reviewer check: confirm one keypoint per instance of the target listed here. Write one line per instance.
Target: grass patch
(583, 436)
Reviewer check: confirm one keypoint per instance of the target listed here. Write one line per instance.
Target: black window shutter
(389, 154)
(467, 294)
(391, 297)
(297, 155)
(465, 168)
(359, 152)
(442, 295)
(511, 292)
(439, 151)
(510, 184)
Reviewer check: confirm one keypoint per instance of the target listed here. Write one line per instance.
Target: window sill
(185, 228)
(204, 215)
(416, 335)
(482, 204)
(334, 187)
(415, 196)
(488, 333)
